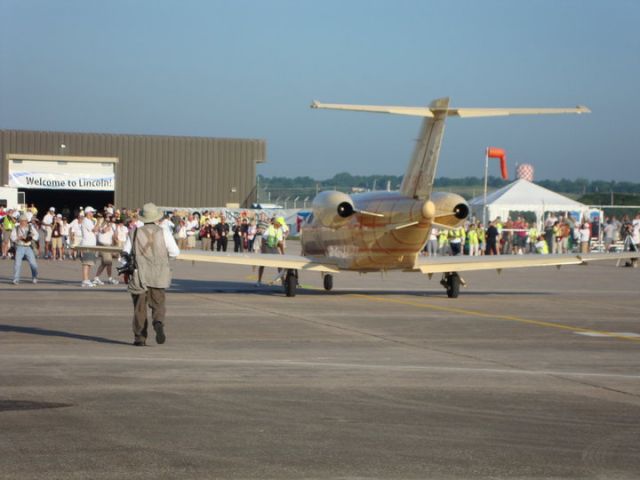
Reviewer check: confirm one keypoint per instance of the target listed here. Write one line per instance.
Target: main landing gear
(327, 282)
(451, 282)
(290, 282)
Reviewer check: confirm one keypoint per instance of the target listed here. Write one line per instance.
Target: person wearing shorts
(57, 250)
(106, 237)
(88, 239)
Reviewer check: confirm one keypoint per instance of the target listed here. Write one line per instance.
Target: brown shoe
(160, 336)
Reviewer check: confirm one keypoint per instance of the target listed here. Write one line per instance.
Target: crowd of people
(559, 234)
(54, 237)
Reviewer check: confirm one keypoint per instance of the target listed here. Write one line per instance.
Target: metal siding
(181, 171)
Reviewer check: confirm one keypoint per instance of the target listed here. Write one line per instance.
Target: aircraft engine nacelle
(332, 209)
(450, 209)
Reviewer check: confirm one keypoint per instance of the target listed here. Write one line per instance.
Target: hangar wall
(166, 170)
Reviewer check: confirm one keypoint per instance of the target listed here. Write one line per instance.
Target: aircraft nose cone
(429, 210)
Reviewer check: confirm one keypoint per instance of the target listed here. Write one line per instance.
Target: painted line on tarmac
(307, 364)
(511, 318)
(622, 334)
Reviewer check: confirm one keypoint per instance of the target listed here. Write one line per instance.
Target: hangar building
(67, 170)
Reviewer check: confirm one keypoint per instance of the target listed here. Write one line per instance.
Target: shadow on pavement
(181, 285)
(57, 333)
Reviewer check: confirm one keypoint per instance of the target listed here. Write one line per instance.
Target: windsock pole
(486, 173)
(492, 152)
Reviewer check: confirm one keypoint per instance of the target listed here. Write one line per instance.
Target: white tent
(524, 196)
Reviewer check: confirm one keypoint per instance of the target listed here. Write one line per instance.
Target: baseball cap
(89, 210)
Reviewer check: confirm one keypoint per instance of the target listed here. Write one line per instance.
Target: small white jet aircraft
(382, 231)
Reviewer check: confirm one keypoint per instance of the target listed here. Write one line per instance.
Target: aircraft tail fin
(418, 179)
(420, 174)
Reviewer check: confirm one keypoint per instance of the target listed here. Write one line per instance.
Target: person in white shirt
(47, 229)
(106, 238)
(585, 236)
(168, 224)
(88, 229)
(609, 235)
(75, 234)
(192, 226)
(121, 233)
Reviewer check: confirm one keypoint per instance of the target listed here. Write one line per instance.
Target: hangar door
(63, 182)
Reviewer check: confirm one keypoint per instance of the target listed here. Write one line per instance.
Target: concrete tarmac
(529, 374)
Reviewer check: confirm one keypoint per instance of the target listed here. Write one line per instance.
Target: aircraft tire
(290, 283)
(453, 285)
(328, 282)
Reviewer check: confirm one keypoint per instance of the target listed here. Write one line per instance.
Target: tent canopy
(524, 196)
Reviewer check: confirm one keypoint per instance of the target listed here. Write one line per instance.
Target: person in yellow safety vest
(482, 237)
(272, 240)
(285, 233)
(541, 246)
(456, 240)
(8, 225)
(499, 226)
(442, 242)
(533, 237)
(474, 241)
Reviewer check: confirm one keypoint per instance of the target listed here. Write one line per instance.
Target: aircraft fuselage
(387, 235)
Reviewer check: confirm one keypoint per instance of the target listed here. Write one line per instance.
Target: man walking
(22, 236)
(150, 246)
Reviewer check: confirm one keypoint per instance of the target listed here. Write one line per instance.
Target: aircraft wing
(99, 248)
(297, 262)
(500, 262)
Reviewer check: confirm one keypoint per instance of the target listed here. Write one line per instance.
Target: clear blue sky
(251, 69)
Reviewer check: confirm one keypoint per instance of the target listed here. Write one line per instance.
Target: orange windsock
(503, 168)
(493, 152)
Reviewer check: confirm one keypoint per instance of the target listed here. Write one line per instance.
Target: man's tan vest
(152, 259)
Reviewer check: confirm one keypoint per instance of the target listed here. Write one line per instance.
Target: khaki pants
(155, 298)
(584, 247)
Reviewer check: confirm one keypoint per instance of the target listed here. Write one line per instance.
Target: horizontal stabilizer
(450, 112)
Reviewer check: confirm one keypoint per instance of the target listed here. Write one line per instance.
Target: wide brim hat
(150, 213)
